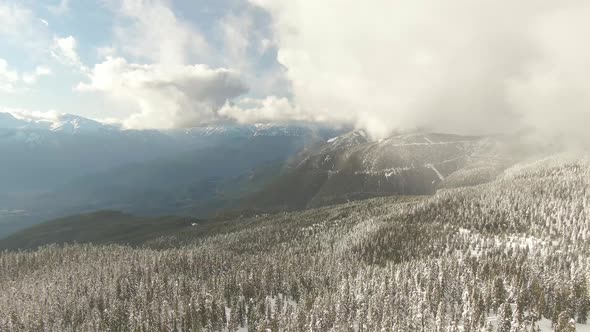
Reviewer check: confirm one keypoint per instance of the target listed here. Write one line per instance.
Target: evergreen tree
(565, 323)
(504, 317)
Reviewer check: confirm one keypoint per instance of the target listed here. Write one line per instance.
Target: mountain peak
(52, 121)
(7, 120)
(348, 140)
(73, 124)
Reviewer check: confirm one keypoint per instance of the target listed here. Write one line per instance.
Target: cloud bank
(150, 71)
(165, 96)
(456, 66)
(270, 109)
(459, 66)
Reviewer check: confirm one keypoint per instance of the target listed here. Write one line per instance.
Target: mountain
(70, 164)
(69, 123)
(76, 124)
(352, 166)
(42, 154)
(7, 120)
(512, 253)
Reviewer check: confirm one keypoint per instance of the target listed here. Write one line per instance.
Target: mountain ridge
(352, 166)
(53, 169)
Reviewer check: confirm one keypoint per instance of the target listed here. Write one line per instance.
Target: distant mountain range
(74, 124)
(70, 164)
(68, 123)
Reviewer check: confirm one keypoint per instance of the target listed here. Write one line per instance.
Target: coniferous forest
(509, 255)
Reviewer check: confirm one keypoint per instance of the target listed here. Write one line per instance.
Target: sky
(462, 66)
(146, 64)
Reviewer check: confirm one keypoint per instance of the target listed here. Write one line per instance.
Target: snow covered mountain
(352, 166)
(43, 152)
(57, 123)
(508, 255)
(74, 124)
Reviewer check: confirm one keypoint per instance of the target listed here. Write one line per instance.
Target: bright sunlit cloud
(384, 66)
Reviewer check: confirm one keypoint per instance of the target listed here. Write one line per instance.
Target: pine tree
(500, 293)
(583, 307)
(538, 307)
(504, 317)
(440, 318)
(565, 323)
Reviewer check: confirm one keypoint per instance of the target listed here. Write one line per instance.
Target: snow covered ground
(545, 326)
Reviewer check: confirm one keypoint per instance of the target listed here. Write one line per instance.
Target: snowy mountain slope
(75, 124)
(508, 255)
(351, 166)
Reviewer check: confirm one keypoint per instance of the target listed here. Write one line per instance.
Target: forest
(509, 255)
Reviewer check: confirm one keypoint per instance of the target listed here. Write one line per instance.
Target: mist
(453, 66)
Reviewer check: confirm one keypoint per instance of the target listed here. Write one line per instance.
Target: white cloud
(553, 93)
(269, 109)
(455, 65)
(8, 78)
(151, 31)
(165, 96)
(64, 50)
(244, 39)
(32, 116)
(32, 77)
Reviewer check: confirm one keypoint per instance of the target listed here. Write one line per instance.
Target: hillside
(101, 227)
(352, 167)
(510, 254)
